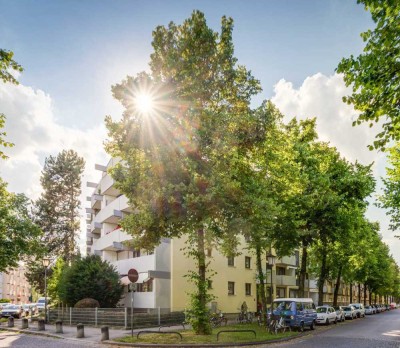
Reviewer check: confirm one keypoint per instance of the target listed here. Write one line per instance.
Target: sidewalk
(92, 334)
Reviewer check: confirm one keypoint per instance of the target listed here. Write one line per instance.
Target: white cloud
(31, 125)
(320, 96)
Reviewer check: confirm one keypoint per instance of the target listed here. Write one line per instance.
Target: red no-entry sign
(133, 275)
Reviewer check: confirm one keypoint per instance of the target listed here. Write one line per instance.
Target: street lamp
(271, 262)
(46, 263)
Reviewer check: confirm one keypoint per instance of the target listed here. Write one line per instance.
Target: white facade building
(105, 238)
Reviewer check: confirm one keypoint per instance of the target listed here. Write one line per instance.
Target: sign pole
(133, 277)
(132, 310)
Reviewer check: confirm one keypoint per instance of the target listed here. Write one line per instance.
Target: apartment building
(162, 272)
(14, 286)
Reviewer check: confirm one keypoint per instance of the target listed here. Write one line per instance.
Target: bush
(87, 303)
(90, 277)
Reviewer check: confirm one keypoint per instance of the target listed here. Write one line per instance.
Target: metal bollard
(105, 335)
(59, 326)
(80, 331)
(41, 326)
(10, 321)
(24, 323)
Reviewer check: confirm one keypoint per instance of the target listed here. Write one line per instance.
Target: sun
(144, 103)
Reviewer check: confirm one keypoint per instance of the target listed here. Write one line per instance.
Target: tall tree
(375, 74)
(57, 209)
(178, 165)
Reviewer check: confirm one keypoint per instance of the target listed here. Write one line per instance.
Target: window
(247, 261)
(231, 261)
(209, 284)
(280, 270)
(248, 289)
(280, 292)
(231, 288)
(145, 287)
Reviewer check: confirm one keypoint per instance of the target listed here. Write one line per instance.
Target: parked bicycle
(217, 320)
(245, 317)
(276, 324)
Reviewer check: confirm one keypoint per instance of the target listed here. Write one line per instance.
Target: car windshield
(356, 306)
(321, 309)
(12, 307)
(347, 308)
(285, 306)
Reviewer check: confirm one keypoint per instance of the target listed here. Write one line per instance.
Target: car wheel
(301, 327)
(335, 321)
(327, 321)
(312, 326)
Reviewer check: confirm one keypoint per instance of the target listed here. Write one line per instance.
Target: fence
(116, 317)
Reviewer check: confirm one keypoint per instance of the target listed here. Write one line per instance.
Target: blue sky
(73, 51)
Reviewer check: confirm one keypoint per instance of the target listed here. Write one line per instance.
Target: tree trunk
(203, 325)
(261, 277)
(303, 270)
(322, 277)
(365, 294)
(370, 297)
(359, 292)
(337, 285)
(351, 293)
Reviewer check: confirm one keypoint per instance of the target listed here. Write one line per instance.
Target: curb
(230, 344)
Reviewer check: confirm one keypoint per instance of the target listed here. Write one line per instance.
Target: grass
(188, 336)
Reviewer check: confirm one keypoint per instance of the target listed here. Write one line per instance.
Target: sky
(74, 51)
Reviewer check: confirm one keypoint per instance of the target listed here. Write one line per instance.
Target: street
(379, 330)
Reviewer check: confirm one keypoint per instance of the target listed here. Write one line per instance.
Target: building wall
(14, 286)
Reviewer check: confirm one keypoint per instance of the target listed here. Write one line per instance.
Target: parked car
(12, 311)
(3, 305)
(40, 305)
(393, 305)
(349, 312)
(28, 308)
(326, 315)
(298, 312)
(369, 310)
(360, 310)
(339, 313)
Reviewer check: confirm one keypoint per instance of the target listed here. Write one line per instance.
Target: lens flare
(144, 103)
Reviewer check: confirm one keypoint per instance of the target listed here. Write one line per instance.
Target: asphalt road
(14, 339)
(379, 330)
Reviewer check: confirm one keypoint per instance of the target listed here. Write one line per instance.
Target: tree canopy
(90, 277)
(375, 74)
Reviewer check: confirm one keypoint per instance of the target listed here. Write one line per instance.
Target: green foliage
(7, 63)
(375, 74)
(179, 165)
(391, 196)
(57, 210)
(90, 277)
(87, 303)
(54, 278)
(18, 234)
(3, 143)
(5, 300)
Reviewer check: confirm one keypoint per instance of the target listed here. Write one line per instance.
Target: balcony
(95, 201)
(107, 186)
(286, 261)
(110, 214)
(142, 264)
(285, 280)
(106, 242)
(89, 242)
(95, 227)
